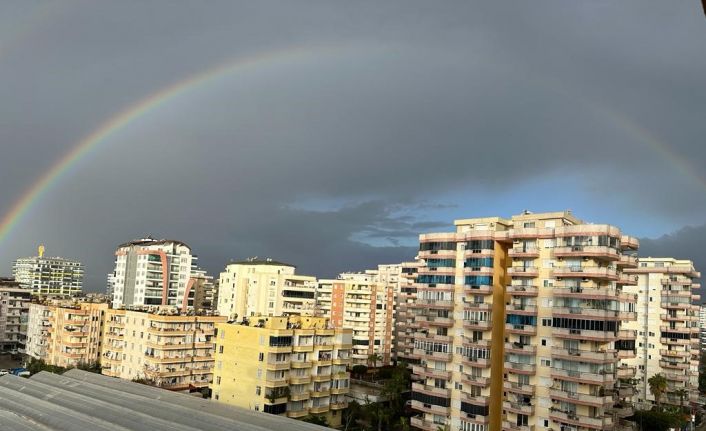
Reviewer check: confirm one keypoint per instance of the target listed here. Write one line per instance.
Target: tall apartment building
(702, 326)
(522, 325)
(154, 272)
(360, 302)
(168, 348)
(293, 366)
(14, 301)
(405, 326)
(668, 329)
(65, 334)
(264, 287)
(49, 276)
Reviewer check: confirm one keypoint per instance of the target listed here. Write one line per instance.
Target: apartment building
(264, 287)
(293, 366)
(14, 301)
(521, 325)
(65, 334)
(702, 326)
(667, 325)
(405, 326)
(202, 298)
(362, 303)
(162, 346)
(154, 272)
(49, 276)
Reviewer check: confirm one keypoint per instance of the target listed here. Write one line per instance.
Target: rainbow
(133, 112)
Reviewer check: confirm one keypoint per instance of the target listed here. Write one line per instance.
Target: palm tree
(374, 358)
(681, 393)
(658, 386)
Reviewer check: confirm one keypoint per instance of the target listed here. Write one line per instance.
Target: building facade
(164, 347)
(154, 272)
(49, 276)
(521, 325)
(702, 326)
(14, 303)
(405, 328)
(293, 366)
(264, 287)
(667, 325)
(358, 301)
(64, 334)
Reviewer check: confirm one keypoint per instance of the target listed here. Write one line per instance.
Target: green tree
(681, 393)
(656, 420)
(373, 359)
(658, 386)
(352, 415)
(393, 389)
(359, 370)
(316, 420)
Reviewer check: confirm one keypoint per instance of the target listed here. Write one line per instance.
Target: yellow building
(166, 348)
(668, 329)
(65, 334)
(520, 325)
(293, 366)
(264, 287)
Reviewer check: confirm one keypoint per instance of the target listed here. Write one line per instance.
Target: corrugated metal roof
(82, 400)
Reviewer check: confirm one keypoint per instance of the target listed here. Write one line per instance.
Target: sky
(331, 134)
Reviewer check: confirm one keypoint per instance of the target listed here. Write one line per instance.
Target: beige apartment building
(360, 302)
(65, 334)
(264, 287)
(293, 366)
(668, 329)
(405, 326)
(521, 325)
(164, 347)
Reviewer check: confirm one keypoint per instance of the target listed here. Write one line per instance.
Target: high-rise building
(360, 302)
(49, 276)
(65, 334)
(154, 272)
(293, 366)
(702, 326)
(405, 328)
(167, 348)
(667, 328)
(14, 303)
(264, 287)
(521, 325)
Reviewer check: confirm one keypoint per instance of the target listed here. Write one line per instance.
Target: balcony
(594, 313)
(300, 413)
(520, 329)
(431, 390)
(519, 388)
(517, 408)
(475, 380)
(629, 242)
(523, 271)
(521, 349)
(437, 356)
(477, 306)
(522, 309)
(430, 408)
(607, 356)
(517, 368)
(478, 325)
(420, 423)
(627, 261)
(586, 272)
(665, 353)
(522, 290)
(511, 426)
(594, 251)
(593, 293)
(476, 362)
(625, 372)
(524, 252)
(578, 398)
(605, 422)
(674, 365)
(602, 378)
(622, 410)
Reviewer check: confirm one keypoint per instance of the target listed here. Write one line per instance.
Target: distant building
(163, 346)
(14, 302)
(667, 328)
(65, 334)
(360, 302)
(49, 276)
(264, 287)
(405, 296)
(153, 272)
(293, 366)
(702, 326)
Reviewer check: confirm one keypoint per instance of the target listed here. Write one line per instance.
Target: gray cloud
(410, 102)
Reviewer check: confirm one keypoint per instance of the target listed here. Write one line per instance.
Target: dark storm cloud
(410, 102)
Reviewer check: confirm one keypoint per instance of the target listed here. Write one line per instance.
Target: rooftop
(258, 261)
(83, 400)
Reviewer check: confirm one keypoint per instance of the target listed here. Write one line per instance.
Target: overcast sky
(365, 124)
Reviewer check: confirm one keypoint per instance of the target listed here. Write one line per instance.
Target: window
(260, 357)
(258, 390)
(218, 380)
(220, 349)
(259, 373)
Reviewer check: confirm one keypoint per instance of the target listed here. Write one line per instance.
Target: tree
(316, 420)
(681, 393)
(393, 389)
(655, 420)
(359, 370)
(351, 415)
(658, 386)
(373, 359)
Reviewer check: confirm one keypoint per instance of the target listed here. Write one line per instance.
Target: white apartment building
(153, 272)
(702, 326)
(14, 301)
(49, 276)
(667, 329)
(264, 287)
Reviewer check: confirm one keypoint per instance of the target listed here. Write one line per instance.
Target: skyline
(385, 122)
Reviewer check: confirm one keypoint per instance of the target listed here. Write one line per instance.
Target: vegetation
(657, 420)
(388, 415)
(316, 419)
(373, 359)
(658, 386)
(38, 365)
(278, 392)
(359, 371)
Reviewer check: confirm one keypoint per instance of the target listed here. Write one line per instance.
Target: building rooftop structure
(83, 400)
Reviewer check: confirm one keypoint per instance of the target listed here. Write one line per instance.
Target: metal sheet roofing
(82, 400)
